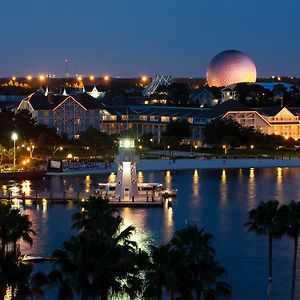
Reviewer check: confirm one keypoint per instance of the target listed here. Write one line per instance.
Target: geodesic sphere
(230, 67)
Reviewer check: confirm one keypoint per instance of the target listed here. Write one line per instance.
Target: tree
(97, 218)
(265, 219)
(95, 139)
(156, 272)
(178, 93)
(185, 266)
(194, 246)
(21, 228)
(101, 260)
(227, 131)
(175, 132)
(14, 274)
(293, 230)
(14, 226)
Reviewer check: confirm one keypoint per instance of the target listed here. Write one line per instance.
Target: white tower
(126, 183)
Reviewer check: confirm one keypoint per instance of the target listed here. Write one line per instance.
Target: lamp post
(14, 137)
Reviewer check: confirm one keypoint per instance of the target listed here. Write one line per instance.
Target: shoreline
(191, 164)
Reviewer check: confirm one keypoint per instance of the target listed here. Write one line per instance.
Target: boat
(169, 193)
(146, 186)
(31, 258)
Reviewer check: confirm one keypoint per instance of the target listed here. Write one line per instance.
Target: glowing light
(92, 77)
(14, 136)
(106, 78)
(112, 177)
(69, 156)
(26, 187)
(144, 78)
(230, 67)
(252, 146)
(29, 77)
(127, 144)
(140, 177)
(279, 172)
(79, 78)
(42, 77)
(14, 78)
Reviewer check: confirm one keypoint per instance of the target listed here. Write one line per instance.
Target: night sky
(129, 38)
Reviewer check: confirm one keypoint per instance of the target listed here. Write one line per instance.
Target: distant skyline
(130, 38)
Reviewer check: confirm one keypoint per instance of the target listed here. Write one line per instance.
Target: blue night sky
(129, 38)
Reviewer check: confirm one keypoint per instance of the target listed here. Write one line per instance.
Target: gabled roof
(215, 92)
(273, 111)
(39, 101)
(180, 112)
(230, 105)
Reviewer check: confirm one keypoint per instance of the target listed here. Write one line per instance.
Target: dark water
(217, 200)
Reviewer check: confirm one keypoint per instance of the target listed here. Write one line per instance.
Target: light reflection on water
(251, 189)
(218, 200)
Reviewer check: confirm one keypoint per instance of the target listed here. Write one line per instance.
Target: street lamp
(14, 137)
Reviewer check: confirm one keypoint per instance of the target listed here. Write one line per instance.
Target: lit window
(165, 119)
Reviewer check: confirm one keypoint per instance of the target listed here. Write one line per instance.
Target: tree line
(228, 132)
(44, 141)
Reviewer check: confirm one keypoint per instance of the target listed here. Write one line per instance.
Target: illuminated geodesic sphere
(230, 67)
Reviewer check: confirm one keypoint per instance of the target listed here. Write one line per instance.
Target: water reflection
(140, 177)
(251, 189)
(196, 185)
(137, 218)
(87, 182)
(223, 189)
(112, 177)
(26, 187)
(169, 222)
(168, 180)
(279, 189)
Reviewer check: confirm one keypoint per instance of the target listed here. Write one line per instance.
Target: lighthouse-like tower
(126, 183)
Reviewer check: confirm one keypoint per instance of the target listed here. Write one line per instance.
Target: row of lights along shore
(79, 78)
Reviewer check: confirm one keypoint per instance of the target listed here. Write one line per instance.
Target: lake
(217, 200)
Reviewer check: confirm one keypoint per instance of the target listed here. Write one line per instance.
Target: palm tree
(98, 218)
(293, 230)
(156, 272)
(4, 226)
(101, 259)
(184, 266)
(195, 248)
(14, 226)
(265, 220)
(20, 229)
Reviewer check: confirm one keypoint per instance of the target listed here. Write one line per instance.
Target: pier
(142, 200)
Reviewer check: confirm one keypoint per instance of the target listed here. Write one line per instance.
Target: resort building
(279, 120)
(72, 114)
(69, 114)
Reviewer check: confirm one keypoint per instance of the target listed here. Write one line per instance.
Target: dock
(142, 201)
